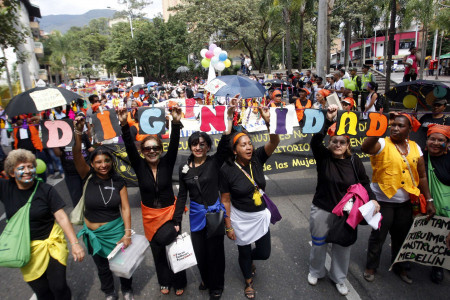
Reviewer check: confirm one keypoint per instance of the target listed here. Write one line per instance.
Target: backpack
(382, 103)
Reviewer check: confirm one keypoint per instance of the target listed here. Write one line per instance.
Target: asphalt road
(283, 276)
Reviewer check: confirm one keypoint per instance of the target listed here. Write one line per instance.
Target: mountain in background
(63, 23)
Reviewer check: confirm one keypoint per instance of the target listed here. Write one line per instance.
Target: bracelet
(77, 132)
(127, 237)
(128, 229)
(229, 229)
(77, 242)
(430, 200)
(230, 118)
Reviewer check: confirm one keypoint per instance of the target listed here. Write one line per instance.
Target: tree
(390, 51)
(12, 34)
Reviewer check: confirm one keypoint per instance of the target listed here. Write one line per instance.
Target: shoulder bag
(275, 215)
(15, 239)
(77, 214)
(215, 221)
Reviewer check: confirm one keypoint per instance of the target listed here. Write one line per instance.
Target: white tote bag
(180, 253)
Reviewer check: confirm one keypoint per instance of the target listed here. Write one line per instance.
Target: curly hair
(16, 157)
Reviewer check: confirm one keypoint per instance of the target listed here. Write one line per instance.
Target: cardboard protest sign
(106, 125)
(425, 243)
(283, 120)
(58, 133)
(48, 98)
(212, 116)
(152, 120)
(314, 120)
(346, 123)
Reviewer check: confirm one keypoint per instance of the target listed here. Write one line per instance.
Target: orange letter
(378, 124)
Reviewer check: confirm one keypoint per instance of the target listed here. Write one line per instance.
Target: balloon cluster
(216, 57)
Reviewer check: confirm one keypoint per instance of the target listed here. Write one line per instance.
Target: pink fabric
(359, 193)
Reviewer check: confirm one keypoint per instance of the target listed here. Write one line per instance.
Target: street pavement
(283, 276)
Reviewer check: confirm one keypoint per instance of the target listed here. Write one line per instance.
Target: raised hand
(332, 112)
(233, 105)
(265, 114)
(78, 123)
(176, 113)
(122, 114)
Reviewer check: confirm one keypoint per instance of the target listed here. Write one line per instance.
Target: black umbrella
(39, 99)
(138, 87)
(426, 91)
(114, 90)
(277, 82)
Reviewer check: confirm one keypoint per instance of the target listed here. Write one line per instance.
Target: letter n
(208, 118)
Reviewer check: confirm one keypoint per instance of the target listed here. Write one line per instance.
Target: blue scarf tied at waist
(197, 214)
(103, 240)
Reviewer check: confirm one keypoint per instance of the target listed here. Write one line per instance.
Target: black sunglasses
(151, 148)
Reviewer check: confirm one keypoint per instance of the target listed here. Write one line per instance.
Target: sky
(77, 7)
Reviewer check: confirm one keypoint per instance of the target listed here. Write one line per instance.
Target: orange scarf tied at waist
(154, 218)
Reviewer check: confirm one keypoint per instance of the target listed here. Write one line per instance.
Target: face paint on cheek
(21, 172)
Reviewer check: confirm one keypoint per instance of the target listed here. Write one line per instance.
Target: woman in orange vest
(398, 172)
(301, 104)
(154, 174)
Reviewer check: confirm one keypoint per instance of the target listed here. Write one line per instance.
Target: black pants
(210, 254)
(397, 219)
(75, 187)
(364, 95)
(52, 284)
(409, 77)
(106, 277)
(165, 275)
(247, 255)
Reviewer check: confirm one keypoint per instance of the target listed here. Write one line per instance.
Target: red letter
(216, 120)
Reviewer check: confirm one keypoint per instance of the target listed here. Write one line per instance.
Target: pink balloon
(212, 47)
(209, 54)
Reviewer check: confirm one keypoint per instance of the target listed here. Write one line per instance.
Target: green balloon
(205, 62)
(40, 166)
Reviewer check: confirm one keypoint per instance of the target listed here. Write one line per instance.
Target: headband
(435, 128)
(237, 136)
(415, 125)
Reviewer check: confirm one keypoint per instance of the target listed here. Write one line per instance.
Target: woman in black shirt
(334, 176)
(202, 171)
(154, 174)
(45, 272)
(248, 218)
(107, 215)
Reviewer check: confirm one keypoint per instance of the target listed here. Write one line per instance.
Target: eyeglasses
(339, 142)
(278, 96)
(151, 148)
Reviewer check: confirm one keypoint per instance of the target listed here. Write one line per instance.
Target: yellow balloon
(227, 63)
(410, 101)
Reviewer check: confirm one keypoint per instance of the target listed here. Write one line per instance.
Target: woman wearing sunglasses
(154, 174)
(335, 174)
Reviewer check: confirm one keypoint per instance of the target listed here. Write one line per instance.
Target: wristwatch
(430, 200)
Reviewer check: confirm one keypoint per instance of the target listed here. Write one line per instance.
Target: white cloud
(76, 7)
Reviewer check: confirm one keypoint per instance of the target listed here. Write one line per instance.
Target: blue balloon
(223, 57)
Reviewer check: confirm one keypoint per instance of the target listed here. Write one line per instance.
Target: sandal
(179, 292)
(165, 290)
(249, 291)
(253, 270)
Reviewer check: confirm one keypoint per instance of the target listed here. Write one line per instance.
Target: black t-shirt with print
(235, 182)
(45, 203)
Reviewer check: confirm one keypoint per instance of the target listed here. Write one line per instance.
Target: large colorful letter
(190, 103)
(314, 120)
(342, 123)
(208, 118)
(106, 125)
(151, 120)
(57, 133)
(378, 124)
(282, 120)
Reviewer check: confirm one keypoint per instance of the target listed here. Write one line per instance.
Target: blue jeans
(52, 158)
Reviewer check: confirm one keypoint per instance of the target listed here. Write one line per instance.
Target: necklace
(110, 196)
(402, 153)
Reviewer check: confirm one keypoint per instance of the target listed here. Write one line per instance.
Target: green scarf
(439, 191)
(103, 240)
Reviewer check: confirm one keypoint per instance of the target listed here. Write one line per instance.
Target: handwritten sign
(48, 98)
(425, 243)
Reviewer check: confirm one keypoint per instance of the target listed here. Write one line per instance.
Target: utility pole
(321, 58)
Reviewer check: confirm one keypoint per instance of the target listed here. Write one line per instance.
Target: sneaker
(111, 297)
(128, 296)
(312, 280)
(342, 288)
